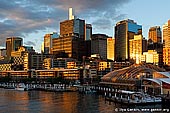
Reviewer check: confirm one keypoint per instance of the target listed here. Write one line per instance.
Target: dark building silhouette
(99, 45)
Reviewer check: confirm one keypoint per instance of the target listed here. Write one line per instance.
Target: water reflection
(51, 102)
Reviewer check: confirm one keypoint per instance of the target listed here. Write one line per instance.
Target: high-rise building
(69, 46)
(110, 48)
(71, 27)
(166, 43)
(71, 41)
(166, 34)
(124, 31)
(12, 44)
(42, 47)
(48, 42)
(88, 31)
(138, 45)
(155, 39)
(99, 45)
(151, 56)
(88, 36)
(155, 34)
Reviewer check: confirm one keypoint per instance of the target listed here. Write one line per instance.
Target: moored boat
(21, 87)
(131, 97)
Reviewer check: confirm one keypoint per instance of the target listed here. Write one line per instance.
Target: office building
(12, 44)
(155, 39)
(2, 54)
(99, 45)
(155, 34)
(88, 31)
(42, 47)
(48, 42)
(71, 42)
(166, 43)
(138, 45)
(71, 27)
(69, 47)
(151, 56)
(124, 31)
(166, 35)
(19, 57)
(166, 56)
(110, 48)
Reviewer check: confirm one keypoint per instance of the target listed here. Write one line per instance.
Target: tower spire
(71, 16)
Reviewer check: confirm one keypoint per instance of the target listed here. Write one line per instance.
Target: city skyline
(33, 19)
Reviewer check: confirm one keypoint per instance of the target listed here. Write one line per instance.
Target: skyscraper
(71, 27)
(71, 40)
(166, 34)
(155, 34)
(88, 31)
(155, 39)
(48, 42)
(166, 43)
(12, 44)
(99, 45)
(138, 45)
(124, 31)
(69, 46)
(110, 48)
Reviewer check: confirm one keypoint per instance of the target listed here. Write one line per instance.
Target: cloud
(102, 24)
(30, 43)
(22, 17)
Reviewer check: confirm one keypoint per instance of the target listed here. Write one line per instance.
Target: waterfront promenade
(42, 86)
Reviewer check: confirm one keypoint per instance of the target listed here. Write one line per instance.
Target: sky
(32, 19)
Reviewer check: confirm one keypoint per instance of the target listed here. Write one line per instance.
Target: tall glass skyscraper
(124, 31)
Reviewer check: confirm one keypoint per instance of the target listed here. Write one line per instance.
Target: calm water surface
(12, 101)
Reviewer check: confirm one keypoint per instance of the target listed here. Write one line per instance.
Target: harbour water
(12, 101)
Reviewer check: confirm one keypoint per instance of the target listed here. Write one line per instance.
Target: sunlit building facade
(166, 43)
(48, 42)
(151, 57)
(166, 35)
(71, 41)
(124, 31)
(12, 44)
(71, 46)
(155, 34)
(166, 56)
(110, 48)
(71, 27)
(138, 45)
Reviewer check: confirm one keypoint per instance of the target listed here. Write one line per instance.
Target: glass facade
(133, 27)
(79, 27)
(124, 31)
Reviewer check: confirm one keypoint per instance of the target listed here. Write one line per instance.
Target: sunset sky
(32, 19)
